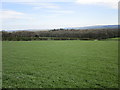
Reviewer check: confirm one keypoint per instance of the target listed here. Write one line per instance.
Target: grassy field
(60, 64)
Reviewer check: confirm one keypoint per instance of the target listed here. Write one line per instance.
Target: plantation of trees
(60, 34)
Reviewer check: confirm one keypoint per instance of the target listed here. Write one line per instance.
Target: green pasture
(60, 64)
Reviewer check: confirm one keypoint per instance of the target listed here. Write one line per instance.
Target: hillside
(96, 27)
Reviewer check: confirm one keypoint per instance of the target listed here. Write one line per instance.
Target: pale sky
(41, 14)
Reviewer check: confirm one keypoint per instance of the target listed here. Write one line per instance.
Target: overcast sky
(38, 14)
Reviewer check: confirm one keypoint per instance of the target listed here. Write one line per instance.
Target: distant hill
(86, 27)
(96, 27)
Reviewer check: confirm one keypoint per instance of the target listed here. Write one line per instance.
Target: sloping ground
(112, 39)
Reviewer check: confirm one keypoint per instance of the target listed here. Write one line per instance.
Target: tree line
(60, 34)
